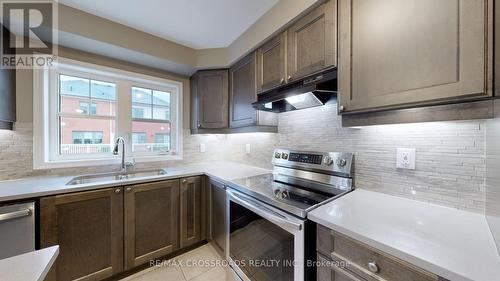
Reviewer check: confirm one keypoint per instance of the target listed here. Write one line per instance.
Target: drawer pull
(372, 266)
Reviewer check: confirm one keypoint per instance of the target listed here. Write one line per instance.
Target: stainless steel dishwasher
(17, 229)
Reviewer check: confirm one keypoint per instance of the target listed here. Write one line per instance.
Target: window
(138, 138)
(137, 112)
(84, 107)
(154, 119)
(82, 129)
(87, 108)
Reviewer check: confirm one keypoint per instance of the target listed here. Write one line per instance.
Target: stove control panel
(337, 162)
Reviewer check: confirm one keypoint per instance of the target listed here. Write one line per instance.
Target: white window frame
(46, 107)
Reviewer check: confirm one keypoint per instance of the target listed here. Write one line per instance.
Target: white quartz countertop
(32, 266)
(49, 185)
(451, 243)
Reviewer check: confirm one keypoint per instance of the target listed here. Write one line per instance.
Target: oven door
(263, 243)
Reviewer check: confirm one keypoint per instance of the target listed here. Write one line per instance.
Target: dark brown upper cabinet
(271, 63)
(209, 99)
(405, 53)
(88, 227)
(193, 204)
(242, 92)
(151, 221)
(7, 93)
(312, 42)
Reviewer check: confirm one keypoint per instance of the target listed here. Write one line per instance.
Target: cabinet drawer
(328, 272)
(366, 262)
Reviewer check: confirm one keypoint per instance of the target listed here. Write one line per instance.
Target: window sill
(59, 164)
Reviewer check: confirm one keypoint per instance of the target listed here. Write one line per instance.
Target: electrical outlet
(247, 148)
(405, 158)
(203, 148)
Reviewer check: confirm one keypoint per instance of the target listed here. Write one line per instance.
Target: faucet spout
(121, 141)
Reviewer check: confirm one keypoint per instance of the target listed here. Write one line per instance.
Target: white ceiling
(199, 24)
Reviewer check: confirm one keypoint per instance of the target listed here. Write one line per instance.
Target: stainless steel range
(269, 236)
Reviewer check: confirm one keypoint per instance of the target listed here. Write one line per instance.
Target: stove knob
(277, 155)
(284, 194)
(328, 160)
(341, 162)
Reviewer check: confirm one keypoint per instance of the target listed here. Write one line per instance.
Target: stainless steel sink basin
(117, 176)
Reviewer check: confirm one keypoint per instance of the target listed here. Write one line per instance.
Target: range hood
(314, 90)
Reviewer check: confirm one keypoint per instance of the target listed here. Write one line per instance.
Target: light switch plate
(247, 148)
(405, 158)
(203, 148)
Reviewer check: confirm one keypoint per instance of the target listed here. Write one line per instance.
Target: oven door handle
(262, 210)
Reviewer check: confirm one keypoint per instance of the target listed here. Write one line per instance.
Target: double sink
(116, 176)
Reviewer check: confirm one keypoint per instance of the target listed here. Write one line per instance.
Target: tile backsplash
(450, 162)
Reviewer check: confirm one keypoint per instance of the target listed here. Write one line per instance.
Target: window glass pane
(80, 136)
(156, 137)
(142, 103)
(72, 91)
(139, 137)
(103, 95)
(161, 105)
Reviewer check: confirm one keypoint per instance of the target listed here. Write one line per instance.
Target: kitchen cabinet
(352, 260)
(88, 227)
(242, 93)
(151, 221)
(218, 215)
(209, 99)
(192, 198)
(407, 53)
(7, 93)
(312, 42)
(271, 63)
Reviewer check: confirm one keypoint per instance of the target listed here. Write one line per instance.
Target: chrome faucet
(124, 165)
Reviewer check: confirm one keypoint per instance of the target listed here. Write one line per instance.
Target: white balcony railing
(71, 149)
(148, 147)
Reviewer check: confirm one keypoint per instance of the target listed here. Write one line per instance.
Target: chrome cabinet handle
(15, 215)
(282, 80)
(117, 190)
(129, 189)
(373, 267)
(341, 108)
(184, 181)
(289, 77)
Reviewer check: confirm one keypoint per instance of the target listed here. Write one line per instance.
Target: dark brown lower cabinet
(192, 208)
(151, 221)
(88, 227)
(218, 217)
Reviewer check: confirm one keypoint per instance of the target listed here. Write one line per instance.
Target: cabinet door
(218, 216)
(88, 227)
(212, 96)
(271, 64)
(242, 92)
(192, 211)
(151, 221)
(312, 41)
(7, 93)
(401, 53)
